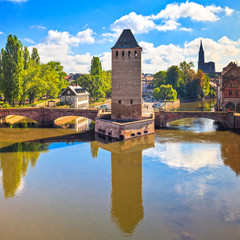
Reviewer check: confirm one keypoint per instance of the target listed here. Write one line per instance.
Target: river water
(181, 183)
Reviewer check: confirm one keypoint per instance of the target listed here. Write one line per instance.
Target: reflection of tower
(127, 203)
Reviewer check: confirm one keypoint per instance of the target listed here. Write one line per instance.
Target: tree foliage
(98, 82)
(165, 92)
(34, 56)
(159, 78)
(187, 83)
(22, 77)
(12, 69)
(96, 67)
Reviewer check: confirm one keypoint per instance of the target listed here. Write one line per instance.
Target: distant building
(147, 84)
(208, 67)
(229, 89)
(76, 97)
(73, 77)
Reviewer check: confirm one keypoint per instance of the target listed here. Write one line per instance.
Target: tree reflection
(126, 159)
(15, 161)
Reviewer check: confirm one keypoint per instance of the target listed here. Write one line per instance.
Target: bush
(6, 105)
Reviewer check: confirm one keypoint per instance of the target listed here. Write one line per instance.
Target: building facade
(147, 83)
(126, 78)
(229, 93)
(208, 67)
(76, 97)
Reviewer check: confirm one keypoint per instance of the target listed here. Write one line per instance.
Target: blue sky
(168, 31)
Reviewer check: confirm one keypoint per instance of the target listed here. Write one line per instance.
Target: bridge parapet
(163, 117)
(45, 116)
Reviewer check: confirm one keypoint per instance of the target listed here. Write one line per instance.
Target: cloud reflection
(188, 156)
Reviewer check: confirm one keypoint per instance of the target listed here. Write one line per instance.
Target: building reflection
(231, 156)
(126, 161)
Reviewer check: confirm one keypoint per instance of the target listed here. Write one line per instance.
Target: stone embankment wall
(171, 105)
(237, 120)
(123, 131)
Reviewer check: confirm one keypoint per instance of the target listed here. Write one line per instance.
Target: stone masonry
(126, 78)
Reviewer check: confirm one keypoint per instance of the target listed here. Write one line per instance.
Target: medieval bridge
(45, 116)
(227, 119)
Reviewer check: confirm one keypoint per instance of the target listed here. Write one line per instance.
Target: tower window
(116, 53)
(119, 101)
(236, 93)
(129, 53)
(135, 54)
(230, 93)
(122, 53)
(131, 101)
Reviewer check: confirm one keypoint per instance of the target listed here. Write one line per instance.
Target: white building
(76, 97)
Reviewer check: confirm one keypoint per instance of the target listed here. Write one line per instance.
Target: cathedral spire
(201, 57)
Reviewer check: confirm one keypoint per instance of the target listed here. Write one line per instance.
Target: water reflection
(126, 161)
(14, 166)
(79, 124)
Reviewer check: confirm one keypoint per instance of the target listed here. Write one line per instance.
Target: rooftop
(126, 40)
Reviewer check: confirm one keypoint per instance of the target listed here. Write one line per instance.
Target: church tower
(126, 78)
(201, 58)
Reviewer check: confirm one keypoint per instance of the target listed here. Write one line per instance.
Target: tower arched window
(135, 54)
(116, 53)
(129, 53)
(122, 53)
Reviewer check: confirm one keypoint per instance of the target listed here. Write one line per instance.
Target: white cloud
(57, 46)
(15, 1)
(28, 40)
(168, 17)
(137, 23)
(195, 11)
(163, 56)
(228, 11)
(1, 33)
(40, 26)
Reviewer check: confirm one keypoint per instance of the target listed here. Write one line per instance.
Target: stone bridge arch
(225, 118)
(45, 116)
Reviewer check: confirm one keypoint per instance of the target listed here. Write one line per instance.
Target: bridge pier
(160, 119)
(230, 120)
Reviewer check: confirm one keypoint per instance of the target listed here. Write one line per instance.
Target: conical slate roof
(126, 40)
(201, 47)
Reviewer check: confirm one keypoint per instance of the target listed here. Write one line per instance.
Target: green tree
(159, 78)
(12, 67)
(107, 82)
(173, 76)
(96, 67)
(26, 58)
(186, 71)
(165, 92)
(34, 56)
(58, 68)
(93, 84)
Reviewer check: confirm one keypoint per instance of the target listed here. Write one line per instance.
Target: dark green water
(177, 184)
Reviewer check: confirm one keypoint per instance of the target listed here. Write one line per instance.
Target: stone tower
(201, 58)
(126, 78)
